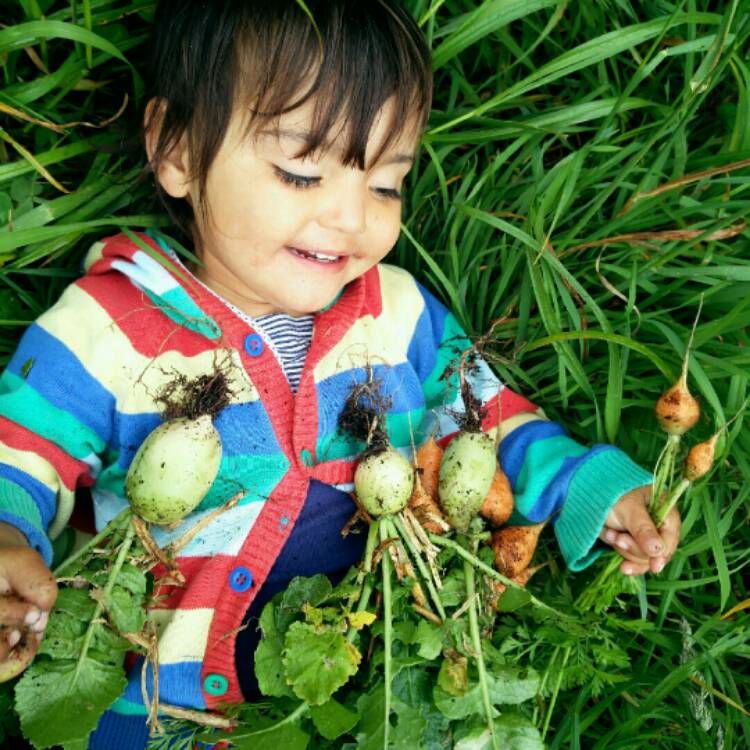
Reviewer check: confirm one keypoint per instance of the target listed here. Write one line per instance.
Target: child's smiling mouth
(317, 257)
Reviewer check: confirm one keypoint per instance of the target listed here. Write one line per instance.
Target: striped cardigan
(77, 399)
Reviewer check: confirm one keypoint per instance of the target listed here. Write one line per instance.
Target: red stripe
(71, 471)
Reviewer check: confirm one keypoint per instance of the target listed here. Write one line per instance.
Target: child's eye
(391, 193)
(298, 180)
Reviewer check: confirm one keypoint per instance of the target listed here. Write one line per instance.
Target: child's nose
(345, 210)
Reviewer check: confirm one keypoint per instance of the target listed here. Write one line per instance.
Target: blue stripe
(179, 684)
(514, 446)
(58, 375)
(244, 429)
(43, 496)
(399, 382)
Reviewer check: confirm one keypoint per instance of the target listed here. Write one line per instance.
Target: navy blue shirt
(314, 546)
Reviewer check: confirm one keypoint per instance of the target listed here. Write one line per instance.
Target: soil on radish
(191, 398)
(363, 415)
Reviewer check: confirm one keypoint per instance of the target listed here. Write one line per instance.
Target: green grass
(585, 178)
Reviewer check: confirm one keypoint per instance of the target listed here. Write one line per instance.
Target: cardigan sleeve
(55, 421)
(553, 477)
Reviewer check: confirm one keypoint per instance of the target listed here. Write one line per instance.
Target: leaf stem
(111, 581)
(436, 600)
(491, 572)
(385, 563)
(476, 641)
(114, 525)
(555, 692)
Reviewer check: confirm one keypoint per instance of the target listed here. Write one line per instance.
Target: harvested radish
(466, 474)
(383, 482)
(514, 547)
(173, 469)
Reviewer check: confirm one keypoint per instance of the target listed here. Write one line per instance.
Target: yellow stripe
(45, 474)
(508, 425)
(365, 343)
(110, 358)
(182, 633)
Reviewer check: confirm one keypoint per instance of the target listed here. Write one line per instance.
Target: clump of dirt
(364, 414)
(474, 413)
(191, 398)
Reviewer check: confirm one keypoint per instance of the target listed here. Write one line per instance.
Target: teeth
(323, 257)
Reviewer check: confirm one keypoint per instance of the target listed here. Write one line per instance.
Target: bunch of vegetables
(106, 588)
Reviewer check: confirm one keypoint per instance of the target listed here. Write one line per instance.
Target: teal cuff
(595, 487)
(18, 509)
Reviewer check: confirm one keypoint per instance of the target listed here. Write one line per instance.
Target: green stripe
(15, 500)
(403, 428)
(128, 708)
(26, 407)
(542, 462)
(438, 391)
(180, 308)
(257, 474)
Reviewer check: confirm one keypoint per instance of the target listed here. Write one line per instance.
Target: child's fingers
(31, 580)
(15, 613)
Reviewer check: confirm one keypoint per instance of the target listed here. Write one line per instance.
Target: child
(284, 166)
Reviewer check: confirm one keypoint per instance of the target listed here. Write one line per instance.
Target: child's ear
(171, 168)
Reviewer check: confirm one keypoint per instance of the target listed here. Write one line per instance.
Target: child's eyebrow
(303, 138)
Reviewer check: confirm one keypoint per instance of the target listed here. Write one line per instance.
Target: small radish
(173, 469)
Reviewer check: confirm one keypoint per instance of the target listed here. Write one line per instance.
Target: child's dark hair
(207, 58)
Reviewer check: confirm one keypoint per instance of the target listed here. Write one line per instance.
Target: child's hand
(630, 530)
(27, 592)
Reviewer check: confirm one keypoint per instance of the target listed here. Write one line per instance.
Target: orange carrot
(514, 547)
(426, 509)
(429, 457)
(498, 504)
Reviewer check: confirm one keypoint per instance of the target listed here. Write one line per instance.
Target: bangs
(358, 56)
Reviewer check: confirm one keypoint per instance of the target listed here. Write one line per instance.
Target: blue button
(241, 579)
(254, 345)
(216, 684)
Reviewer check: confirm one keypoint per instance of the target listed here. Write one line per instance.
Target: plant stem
(385, 563)
(436, 600)
(487, 570)
(555, 692)
(476, 641)
(363, 579)
(663, 510)
(111, 581)
(301, 710)
(115, 524)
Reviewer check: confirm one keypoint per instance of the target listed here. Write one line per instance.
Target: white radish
(466, 474)
(174, 469)
(384, 482)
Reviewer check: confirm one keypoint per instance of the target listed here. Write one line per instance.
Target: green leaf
(371, 707)
(459, 706)
(454, 675)
(58, 704)
(317, 661)
(285, 737)
(412, 686)
(512, 685)
(269, 668)
(430, 640)
(313, 591)
(125, 611)
(512, 732)
(332, 719)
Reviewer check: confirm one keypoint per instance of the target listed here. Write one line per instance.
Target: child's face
(284, 234)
